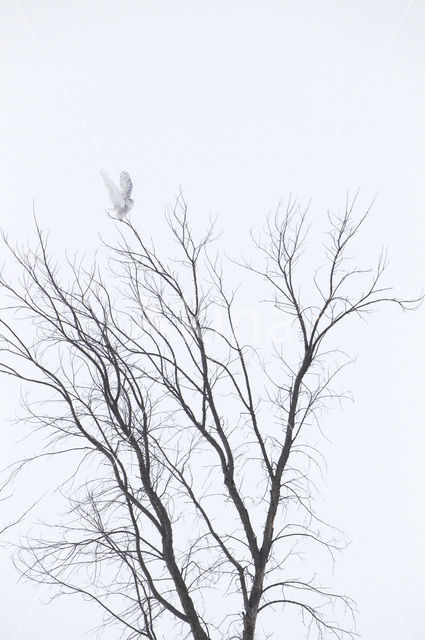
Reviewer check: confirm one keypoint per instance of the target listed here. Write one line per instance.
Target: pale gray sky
(242, 103)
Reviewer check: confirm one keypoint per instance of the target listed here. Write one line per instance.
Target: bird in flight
(120, 197)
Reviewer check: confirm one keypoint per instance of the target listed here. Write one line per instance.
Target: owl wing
(114, 193)
(126, 184)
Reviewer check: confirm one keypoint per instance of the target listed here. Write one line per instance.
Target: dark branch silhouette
(193, 477)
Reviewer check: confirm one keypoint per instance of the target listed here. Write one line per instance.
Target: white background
(241, 103)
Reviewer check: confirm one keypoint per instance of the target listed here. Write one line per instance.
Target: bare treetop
(195, 478)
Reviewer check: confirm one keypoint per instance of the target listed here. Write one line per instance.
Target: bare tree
(194, 466)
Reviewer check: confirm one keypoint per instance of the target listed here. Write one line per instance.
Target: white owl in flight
(120, 197)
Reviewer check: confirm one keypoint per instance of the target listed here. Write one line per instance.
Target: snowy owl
(120, 198)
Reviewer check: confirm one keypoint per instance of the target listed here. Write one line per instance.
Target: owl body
(120, 197)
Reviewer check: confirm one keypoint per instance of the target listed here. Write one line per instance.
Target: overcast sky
(242, 103)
